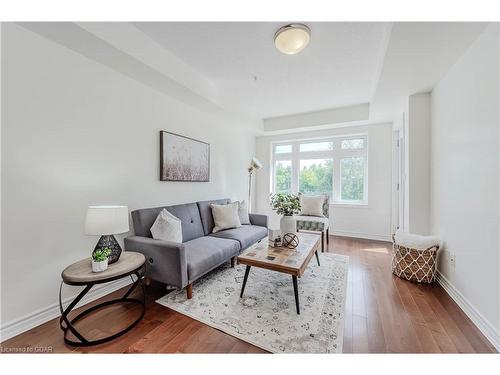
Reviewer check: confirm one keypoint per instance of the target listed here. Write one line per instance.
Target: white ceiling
(339, 68)
(355, 72)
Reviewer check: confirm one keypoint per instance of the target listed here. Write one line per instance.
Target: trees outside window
(316, 177)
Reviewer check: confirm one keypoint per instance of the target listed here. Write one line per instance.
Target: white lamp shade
(106, 220)
(255, 165)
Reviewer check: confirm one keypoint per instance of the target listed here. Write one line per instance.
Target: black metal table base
(294, 281)
(69, 324)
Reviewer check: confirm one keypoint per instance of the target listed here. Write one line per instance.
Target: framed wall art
(183, 158)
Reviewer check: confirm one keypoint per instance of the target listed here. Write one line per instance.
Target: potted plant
(100, 260)
(287, 205)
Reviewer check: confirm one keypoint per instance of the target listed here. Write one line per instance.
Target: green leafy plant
(101, 255)
(285, 203)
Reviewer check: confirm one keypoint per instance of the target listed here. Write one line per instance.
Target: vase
(99, 266)
(288, 225)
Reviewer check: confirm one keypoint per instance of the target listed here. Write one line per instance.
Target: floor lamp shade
(105, 221)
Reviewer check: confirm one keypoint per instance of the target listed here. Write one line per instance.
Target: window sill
(349, 204)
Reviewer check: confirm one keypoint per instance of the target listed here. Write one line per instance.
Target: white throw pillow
(243, 213)
(312, 205)
(225, 216)
(167, 227)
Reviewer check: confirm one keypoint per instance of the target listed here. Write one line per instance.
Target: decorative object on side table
(287, 205)
(290, 240)
(100, 259)
(81, 274)
(105, 221)
(255, 165)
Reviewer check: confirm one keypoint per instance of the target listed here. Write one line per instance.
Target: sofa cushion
(206, 213)
(188, 214)
(206, 253)
(246, 235)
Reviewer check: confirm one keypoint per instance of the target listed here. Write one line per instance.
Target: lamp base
(110, 242)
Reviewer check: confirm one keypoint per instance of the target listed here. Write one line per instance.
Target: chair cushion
(312, 223)
(246, 235)
(312, 205)
(205, 253)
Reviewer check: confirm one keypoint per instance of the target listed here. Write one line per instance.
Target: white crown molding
(328, 117)
(43, 315)
(487, 329)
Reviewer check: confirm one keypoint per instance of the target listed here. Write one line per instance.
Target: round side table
(80, 274)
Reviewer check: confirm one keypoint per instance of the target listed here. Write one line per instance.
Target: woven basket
(414, 264)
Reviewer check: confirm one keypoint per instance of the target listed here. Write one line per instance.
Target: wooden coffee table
(282, 259)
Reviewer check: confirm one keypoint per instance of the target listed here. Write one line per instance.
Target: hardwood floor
(383, 314)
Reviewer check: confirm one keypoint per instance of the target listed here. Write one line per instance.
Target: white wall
(464, 188)
(418, 138)
(371, 221)
(77, 133)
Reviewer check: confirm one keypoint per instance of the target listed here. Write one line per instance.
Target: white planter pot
(99, 266)
(288, 225)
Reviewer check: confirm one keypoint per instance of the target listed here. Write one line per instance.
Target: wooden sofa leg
(189, 291)
(328, 236)
(233, 261)
(322, 242)
(147, 281)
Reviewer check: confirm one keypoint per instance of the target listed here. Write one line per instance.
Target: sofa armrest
(258, 219)
(165, 260)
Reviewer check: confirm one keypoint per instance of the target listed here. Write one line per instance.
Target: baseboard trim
(486, 328)
(367, 236)
(29, 321)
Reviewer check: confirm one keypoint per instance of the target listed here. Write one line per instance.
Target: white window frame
(336, 154)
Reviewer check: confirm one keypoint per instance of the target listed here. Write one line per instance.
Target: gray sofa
(179, 264)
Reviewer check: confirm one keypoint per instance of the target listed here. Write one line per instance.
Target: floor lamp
(255, 165)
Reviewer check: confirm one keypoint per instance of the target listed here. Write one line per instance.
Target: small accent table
(282, 259)
(80, 274)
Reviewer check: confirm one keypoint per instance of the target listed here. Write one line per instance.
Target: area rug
(266, 315)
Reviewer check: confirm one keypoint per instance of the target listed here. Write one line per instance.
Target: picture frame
(183, 159)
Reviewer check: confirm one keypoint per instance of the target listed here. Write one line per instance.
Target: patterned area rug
(266, 315)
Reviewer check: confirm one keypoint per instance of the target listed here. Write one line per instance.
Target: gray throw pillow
(243, 213)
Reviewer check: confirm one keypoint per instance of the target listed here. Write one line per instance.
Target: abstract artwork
(183, 158)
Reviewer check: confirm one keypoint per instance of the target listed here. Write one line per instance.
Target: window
(283, 149)
(283, 176)
(316, 176)
(352, 172)
(349, 144)
(316, 146)
(336, 166)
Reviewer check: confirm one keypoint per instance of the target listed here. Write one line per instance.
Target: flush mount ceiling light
(293, 38)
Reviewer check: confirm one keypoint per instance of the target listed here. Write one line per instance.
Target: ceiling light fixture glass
(292, 38)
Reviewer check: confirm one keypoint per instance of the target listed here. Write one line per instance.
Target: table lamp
(105, 221)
